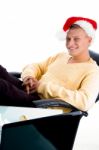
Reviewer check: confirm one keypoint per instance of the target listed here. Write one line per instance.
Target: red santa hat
(87, 24)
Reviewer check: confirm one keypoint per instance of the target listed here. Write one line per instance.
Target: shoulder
(92, 66)
(93, 63)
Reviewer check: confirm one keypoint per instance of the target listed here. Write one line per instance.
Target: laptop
(25, 136)
(29, 133)
(52, 132)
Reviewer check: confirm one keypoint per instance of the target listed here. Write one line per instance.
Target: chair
(59, 130)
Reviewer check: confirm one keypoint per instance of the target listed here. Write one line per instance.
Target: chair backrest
(95, 56)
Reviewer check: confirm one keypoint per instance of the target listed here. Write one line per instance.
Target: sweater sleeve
(36, 70)
(83, 98)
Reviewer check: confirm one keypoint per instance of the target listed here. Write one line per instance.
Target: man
(72, 77)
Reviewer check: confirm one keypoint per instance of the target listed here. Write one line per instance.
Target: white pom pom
(61, 35)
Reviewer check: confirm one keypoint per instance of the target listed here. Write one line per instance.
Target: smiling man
(72, 77)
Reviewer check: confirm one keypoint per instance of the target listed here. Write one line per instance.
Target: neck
(80, 58)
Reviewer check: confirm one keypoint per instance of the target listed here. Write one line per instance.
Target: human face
(77, 41)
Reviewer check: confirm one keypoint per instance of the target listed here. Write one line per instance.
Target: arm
(83, 98)
(36, 70)
(33, 72)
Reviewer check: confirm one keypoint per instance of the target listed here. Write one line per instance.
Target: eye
(76, 39)
(67, 39)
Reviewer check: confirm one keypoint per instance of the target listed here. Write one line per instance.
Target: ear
(90, 40)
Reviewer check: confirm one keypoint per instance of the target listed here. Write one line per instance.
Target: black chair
(59, 130)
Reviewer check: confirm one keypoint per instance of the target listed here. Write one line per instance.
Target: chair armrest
(45, 103)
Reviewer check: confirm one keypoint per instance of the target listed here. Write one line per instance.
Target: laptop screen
(9, 114)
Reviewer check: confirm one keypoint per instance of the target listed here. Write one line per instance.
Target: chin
(73, 53)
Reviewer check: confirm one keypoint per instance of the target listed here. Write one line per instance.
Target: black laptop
(55, 132)
(26, 135)
(33, 134)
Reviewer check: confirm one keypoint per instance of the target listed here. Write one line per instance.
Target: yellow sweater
(75, 83)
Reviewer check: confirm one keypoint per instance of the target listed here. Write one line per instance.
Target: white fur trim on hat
(61, 35)
(87, 27)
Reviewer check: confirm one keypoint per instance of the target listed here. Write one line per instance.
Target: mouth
(72, 49)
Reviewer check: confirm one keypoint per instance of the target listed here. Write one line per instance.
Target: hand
(30, 84)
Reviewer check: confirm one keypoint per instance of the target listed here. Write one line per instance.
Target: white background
(27, 34)
(28, 28)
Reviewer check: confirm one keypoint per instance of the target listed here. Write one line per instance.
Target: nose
(70, 43)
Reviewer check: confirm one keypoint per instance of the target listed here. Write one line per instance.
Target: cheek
(82, 43)
(85, 44)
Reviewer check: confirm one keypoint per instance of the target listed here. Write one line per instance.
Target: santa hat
(87, 24)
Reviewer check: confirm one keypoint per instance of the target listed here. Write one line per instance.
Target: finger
(27, 89)
(26, 80)
(31, 82)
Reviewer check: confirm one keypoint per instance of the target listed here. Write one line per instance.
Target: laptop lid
(56, 132)
(22, 131)
(25, 136)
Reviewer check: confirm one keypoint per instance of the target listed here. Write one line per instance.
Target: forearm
(80, 99)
